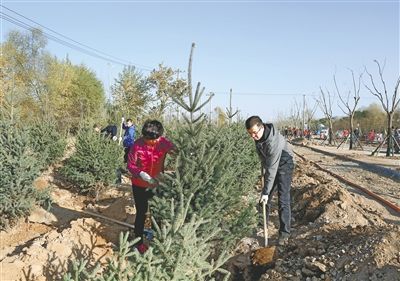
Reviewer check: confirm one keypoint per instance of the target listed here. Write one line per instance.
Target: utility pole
(210, 94)
(230, 106)
(304, 114)
(109, 83)
(177, 78)
(12, 97)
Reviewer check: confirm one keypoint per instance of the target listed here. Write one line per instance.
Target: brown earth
(338, 232)
(42, 246)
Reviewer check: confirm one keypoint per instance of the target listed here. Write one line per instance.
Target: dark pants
(282, 183)
(141, 197)
(126, 154)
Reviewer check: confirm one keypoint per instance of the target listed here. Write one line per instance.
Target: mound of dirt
(48, 256)
(323, 200)
(43, 249)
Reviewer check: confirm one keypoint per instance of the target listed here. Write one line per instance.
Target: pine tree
(47, 141)
(214, 165)
(179, 252)
(94, 164)
(19, 166)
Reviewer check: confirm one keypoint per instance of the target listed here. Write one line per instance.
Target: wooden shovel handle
(264, 210)
(265, 224)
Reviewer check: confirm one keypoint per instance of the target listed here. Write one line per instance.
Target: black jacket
(110, 131)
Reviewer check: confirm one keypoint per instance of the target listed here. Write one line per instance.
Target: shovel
(264, 256)
(148, 231)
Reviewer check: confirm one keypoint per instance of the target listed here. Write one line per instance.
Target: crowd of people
(294, 132)
(371, 137)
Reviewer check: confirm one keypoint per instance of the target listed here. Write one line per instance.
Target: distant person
(146, 162)
(371, 137)
(286, 132)
(109, 132)
(129, 136)
(308, 136)
(357, 133)
(276, 158)
(379, 137)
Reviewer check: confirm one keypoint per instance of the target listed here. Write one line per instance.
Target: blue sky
(270, 53)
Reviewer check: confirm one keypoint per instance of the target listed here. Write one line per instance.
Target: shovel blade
(264, 256)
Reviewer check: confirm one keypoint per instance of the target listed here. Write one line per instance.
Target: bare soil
(338, 233)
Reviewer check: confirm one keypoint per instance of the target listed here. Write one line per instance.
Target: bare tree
(389, 104)
(325, 102)
(295, 114)
(350, 104)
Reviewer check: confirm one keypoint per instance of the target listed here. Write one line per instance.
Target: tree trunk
(389, 148)
(330, 133)
(351, 131)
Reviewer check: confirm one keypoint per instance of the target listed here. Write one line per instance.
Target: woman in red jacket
(146, 162)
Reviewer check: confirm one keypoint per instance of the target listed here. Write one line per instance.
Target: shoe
(283, 239)
(142, 248)
(148, 233)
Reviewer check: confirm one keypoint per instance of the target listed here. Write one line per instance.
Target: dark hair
(253, 120)
(152, 129)
(129, 120)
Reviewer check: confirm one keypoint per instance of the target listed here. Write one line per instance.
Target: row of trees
(350, 99)
(36, 84)
(375, 117)
(203, 206)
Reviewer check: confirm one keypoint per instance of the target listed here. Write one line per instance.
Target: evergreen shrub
(19, 167)
(95, 162)
(179, 252)
(47, 140)
(219, 166)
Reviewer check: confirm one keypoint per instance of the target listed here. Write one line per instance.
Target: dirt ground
(338, 232)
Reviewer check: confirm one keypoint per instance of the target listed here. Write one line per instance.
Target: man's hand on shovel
(263, 199)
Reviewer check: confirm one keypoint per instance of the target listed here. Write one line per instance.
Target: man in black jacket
(277, 161)
(109, 132)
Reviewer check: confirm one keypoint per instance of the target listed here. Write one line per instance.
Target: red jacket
(147, 158)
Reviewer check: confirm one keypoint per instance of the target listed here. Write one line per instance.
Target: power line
(55, 39)
(88, 51)
(262, 94)
(277, 94)
(68, 38)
